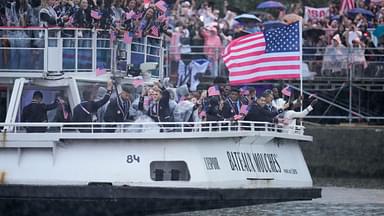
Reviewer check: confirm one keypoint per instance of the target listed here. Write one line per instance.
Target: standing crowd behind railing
(195, 33)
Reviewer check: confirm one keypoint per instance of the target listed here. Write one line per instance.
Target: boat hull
(125, 200)
(226, 162)
(143, 173)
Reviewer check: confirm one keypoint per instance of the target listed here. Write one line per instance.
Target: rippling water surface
(334, 201)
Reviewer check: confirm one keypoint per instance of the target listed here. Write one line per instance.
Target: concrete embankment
(341, 151)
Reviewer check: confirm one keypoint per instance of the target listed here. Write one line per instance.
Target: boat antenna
(113, 68)
(113, 62)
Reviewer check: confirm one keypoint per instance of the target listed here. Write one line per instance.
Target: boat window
(169, 171)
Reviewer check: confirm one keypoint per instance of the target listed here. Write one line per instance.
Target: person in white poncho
(288, 118)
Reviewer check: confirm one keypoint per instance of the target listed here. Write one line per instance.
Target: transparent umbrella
(247, 18)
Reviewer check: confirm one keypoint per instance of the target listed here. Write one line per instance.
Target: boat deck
(148, 130)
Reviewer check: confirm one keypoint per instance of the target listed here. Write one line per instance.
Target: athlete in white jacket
(288, 120)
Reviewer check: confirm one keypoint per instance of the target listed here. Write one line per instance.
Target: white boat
(141, 169)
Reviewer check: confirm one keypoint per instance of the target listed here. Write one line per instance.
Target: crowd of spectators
(340, 31)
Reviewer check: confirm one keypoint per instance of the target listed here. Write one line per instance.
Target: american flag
(127, 37)
(155, 31)
(161, 6)
(137, 16)
(95, 14)
(213, 91)
(244, 109)
(129, 15)
(287, 91)
(275, 54)
(70, 21)
(346, 5)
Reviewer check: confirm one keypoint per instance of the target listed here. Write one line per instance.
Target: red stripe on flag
(265, 60)
(267, 77)
(227, 60)
(264, 69)
(346, 5)
(260, 44)
(243, 40)
(248, 39)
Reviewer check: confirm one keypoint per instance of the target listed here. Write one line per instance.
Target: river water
(335, 201)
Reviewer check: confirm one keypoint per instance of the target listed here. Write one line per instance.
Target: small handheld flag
(129, 15)
(127, 38)
(287, 91)
(95, 14)
(161, 6)
(213, 91)
(155, 31)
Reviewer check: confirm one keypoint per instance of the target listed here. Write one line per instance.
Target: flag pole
(301, 67)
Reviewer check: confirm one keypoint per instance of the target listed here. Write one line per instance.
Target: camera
(121, 55)
(131, 70)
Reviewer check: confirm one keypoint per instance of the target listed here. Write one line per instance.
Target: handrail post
(76, 50)
(161, 59)
(128, 49)
(45, 50)
(217, 57)
(60, 43)
(94, 50)
(351, 72)
(145, 48)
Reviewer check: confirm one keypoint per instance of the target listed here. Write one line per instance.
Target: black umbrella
(354, 11)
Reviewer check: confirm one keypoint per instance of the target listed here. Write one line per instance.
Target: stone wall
(339, 151)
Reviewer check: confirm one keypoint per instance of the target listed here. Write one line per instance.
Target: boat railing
(151, 127)
(34, 50)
